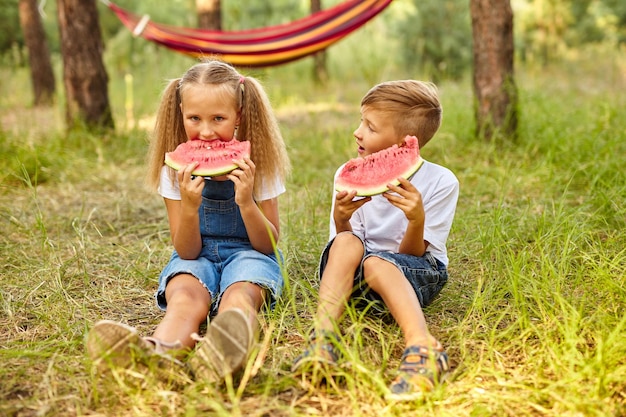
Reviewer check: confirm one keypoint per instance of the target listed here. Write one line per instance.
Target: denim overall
(220, 217)
(227, 256)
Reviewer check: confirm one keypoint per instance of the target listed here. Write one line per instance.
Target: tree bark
(84, 75)
(320, 70)
(209, 14)
(494, 81)
(41, 73)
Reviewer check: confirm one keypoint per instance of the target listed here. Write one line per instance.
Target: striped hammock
(272, 45)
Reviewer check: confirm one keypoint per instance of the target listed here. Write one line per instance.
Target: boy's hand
(408, 199)
(190, 187)
(345, 205)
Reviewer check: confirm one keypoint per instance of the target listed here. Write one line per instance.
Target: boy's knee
(374, 268)
(347, 240)
(373, 262)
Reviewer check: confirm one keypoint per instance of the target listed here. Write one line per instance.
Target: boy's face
(376, 132)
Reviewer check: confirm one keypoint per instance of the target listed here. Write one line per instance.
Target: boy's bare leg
(337, 282)
(344, 257)
(389, 282)
(187, 307)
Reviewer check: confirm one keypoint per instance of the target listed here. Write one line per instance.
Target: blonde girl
(224, 230)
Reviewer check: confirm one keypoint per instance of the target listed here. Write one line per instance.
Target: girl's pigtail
(168, 133)
(258, 125)
(242, 88)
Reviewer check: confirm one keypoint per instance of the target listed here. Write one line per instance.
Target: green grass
(532, 316)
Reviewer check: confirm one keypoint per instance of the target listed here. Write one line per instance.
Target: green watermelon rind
(200, 172)
(203, 172)
(368, 192)
(363, 190)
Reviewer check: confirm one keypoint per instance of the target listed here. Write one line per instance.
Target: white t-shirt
(170, 189)
(382, 226)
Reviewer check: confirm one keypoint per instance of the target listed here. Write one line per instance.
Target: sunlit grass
(532, 316)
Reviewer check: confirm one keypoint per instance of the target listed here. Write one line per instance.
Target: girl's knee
(244, 295)
(187, 290)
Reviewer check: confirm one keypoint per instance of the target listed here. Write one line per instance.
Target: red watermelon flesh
(213, 157)
(371, 174)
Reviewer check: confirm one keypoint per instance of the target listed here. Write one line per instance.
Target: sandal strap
(331, 350)
(416, 360)
(327, 340)
(325, 335)
(322, 348)
(162, 347)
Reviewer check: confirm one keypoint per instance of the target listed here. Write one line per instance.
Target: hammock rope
(271, 45)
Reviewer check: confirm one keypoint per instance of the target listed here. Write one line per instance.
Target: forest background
(532, 316)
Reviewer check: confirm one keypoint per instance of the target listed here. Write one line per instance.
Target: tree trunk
(84, 75)
(209, 14)
(320, 70)
(494, 83)
(41, 74)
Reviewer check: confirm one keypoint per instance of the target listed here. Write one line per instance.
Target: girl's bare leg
(245, 296)
(187, 308)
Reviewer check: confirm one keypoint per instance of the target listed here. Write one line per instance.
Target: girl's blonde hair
(258, 125)
(413, 107)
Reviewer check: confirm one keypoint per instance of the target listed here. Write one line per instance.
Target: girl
(224, 229)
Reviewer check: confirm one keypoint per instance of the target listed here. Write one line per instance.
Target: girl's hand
(408, 199)
(243, 177)
(190, 187)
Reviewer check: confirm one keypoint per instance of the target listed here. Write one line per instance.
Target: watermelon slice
(371, 174)
(214, 157)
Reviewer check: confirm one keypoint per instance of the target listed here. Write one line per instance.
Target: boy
(391, 247)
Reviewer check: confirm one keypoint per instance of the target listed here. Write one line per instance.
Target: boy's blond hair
(258, 125)
(413, 107)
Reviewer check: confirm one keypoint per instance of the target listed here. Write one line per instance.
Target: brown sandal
(322, 349)
(420, 370)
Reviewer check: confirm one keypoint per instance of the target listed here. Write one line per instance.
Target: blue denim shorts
(426, 274)
(222, 263)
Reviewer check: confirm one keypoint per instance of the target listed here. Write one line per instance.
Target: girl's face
(375, 132)
(209, 112)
